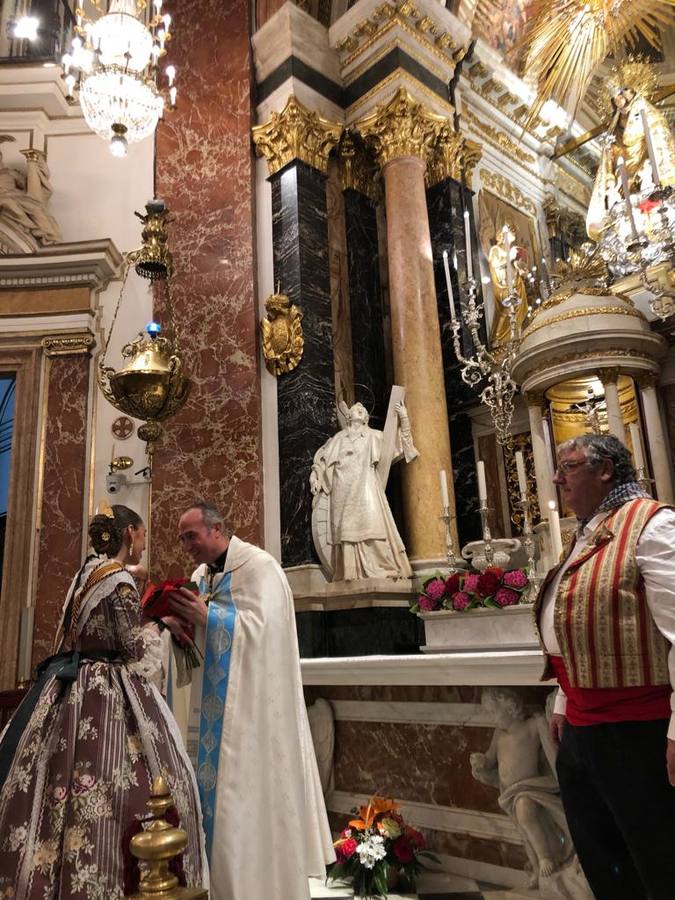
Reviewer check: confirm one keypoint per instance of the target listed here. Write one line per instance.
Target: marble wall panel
(204, 172)
(424, 763)
(338, 264)
(306, 396)
(365, 295)
(446, 202)
(64, 476)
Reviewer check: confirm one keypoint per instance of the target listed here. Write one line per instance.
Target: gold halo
(633, 73)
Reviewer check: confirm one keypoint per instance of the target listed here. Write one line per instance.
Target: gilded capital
(647, 380)
(534, 399)
(296, 133)
(609, 375)
(358, 170)
(402, 127)
(454, 156)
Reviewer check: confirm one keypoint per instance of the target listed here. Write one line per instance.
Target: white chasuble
(249, 738)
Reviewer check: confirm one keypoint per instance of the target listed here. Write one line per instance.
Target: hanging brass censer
(152, 385)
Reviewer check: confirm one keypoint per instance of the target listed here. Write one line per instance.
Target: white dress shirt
(655, 554)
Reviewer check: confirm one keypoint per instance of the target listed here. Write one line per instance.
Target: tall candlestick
(445, 497)
(626, 196)
(467, 239)
(650, 149)
(543, 289)
(522, 477)
(482, 489)
(637, 445)
(509, 268)
(554, 528)
(446, 266)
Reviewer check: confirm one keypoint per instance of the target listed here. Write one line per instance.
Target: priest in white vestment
(248, 733)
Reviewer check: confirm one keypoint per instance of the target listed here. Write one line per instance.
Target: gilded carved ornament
(402, 127)
(498, 138)
(282, 338)
(358, 171)
(409, 18)
(578, 358)
(454, 156)
(505, 189)
(68, 346)
(296, 133)
(583, 311)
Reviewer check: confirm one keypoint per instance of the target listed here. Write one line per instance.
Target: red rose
(452, 584)
(415, 837)
(488, 583)
(344, 850)
(403, 850)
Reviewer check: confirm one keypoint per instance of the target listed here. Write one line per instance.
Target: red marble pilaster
(63, 483)
(204, 162)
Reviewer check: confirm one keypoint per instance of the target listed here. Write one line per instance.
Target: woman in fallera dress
(78, 758)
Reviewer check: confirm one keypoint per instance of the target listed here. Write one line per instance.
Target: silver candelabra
(454, 563)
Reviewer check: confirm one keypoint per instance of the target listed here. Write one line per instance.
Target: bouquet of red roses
(156, 604)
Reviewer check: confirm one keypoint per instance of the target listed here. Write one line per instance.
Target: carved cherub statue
(520, 762)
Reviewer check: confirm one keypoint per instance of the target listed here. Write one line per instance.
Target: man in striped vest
(606, 618)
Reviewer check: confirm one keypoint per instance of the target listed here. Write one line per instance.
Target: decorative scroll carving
(507, 190)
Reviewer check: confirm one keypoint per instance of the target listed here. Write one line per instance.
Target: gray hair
(599, 447)
(211, 515)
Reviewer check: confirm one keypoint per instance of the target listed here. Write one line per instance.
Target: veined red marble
(212, 448)
(64, 472)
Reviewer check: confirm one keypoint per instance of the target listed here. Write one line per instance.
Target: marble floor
(435, 887)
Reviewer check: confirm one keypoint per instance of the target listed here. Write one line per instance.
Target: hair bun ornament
(103, 509)
(105, 536)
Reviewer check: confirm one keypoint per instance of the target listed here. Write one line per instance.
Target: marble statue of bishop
(353, 527)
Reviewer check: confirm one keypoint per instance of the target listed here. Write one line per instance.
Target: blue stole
(221, 617)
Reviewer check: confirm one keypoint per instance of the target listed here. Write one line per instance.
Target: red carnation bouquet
(156, 604)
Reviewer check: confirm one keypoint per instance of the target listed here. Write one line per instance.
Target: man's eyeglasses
(564, 468)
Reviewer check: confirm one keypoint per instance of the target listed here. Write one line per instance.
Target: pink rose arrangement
(494, 588)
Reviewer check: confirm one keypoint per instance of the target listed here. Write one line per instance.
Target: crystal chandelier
(113, 65)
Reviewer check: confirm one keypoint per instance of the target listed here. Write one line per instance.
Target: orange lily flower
(376, 807)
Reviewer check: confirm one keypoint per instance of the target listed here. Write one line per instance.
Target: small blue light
(153, 328)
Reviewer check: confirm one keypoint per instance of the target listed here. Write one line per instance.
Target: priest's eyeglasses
(564, 468)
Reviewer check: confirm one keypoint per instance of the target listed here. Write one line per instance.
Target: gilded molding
(408, 18)
(506, 190)
(498, 139)
(594, 355)
(582, 311)
(394, 78)
(79, 345)
(296, 133)
(402, 127)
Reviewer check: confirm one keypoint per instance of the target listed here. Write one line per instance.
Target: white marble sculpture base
(312, 592)
(512, 628)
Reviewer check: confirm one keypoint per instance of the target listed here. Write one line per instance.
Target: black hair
(106, 533)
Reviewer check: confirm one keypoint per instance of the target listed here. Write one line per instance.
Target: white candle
(554, 529)
(547, 277)
(482, 489)
(467, 239)
(636, 441)
(543, 289)
(650, 150)
(509, 268)
(522, 477)
(445, 497)
(446, 266)
(626, 196)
